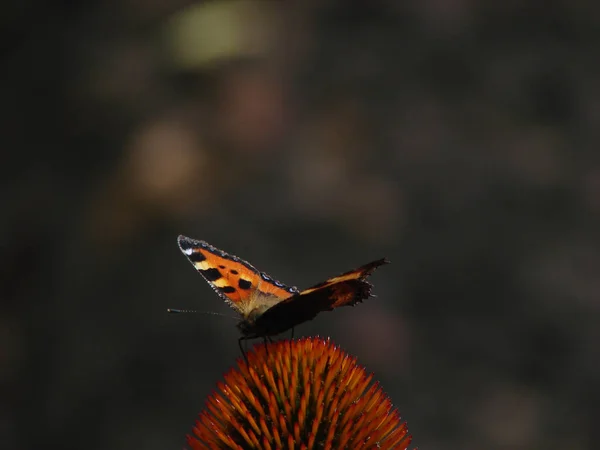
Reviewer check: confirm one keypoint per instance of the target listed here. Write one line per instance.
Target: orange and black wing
(347, 289)
(234, 279)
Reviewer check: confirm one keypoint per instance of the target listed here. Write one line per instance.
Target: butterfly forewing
(234, 279)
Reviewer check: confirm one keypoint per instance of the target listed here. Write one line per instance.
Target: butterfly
(266, 306)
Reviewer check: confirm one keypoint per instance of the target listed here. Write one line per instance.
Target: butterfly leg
(243, 338)
(265, 338)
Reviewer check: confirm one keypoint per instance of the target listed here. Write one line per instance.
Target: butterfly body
(266, 306)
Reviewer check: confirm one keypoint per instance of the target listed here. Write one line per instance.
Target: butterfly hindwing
(234, 279)
(347, 289)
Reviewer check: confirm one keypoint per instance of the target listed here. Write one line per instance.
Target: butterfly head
(246, 327)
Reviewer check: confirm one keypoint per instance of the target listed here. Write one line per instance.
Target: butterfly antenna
(191, 311)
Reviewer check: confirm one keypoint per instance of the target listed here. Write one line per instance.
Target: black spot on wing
(244, 284)
(227, 289)
(234, 272)
(211, 274)
(196, 257)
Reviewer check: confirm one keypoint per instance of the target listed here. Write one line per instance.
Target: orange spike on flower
(299, 394)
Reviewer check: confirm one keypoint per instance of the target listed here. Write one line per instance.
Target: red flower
(299, 394)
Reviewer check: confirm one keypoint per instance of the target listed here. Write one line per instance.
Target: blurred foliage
(459, 139)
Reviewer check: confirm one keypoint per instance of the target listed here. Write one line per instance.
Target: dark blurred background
(457, 138)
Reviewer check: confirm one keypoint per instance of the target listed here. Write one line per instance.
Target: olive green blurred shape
(212, 32)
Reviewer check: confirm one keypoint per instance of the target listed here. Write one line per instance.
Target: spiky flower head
(299, 394)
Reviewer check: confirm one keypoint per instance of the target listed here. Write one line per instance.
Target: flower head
(299, 394)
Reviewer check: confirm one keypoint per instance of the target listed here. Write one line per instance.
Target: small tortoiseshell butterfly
(266, 306)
